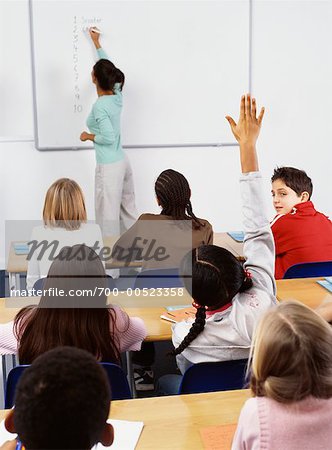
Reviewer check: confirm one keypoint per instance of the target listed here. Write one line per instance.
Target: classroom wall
(291, 75)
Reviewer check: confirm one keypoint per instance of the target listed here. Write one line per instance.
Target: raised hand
(247, 129)
(246, 132)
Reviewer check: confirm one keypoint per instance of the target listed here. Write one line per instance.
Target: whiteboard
(16, 122)
(153, 43)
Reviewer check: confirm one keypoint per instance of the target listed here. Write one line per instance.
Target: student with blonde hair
(65, 224)
(291, 380)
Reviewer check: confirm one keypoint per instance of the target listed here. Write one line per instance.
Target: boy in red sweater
(301, 234)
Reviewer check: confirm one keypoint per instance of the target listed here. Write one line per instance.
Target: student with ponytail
(230, 298)
(114, 188)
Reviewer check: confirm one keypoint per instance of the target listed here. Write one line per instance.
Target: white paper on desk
(126, 435)
(4, 434)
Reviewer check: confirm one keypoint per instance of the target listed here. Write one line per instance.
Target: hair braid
(196, 328)
(196, 222)
(173, 192)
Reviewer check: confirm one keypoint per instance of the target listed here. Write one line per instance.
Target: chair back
(39, 284)
(214, 376)
(3, 280)
(118, 381)
(162, 278)
(12, 380)
(309, 270)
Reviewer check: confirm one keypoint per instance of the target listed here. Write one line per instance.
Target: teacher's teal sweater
(104, 122)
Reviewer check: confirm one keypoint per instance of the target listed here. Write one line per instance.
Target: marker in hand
(95, 30)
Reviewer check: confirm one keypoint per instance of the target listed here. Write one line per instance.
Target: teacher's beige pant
(114, 197)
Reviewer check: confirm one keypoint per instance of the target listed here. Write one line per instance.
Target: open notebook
(238, 236)
(126, 435)
(177, 315)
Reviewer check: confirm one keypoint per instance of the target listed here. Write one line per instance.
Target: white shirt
(227, 335)
(40, 262)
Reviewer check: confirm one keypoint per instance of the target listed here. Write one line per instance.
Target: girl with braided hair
(230, 298)
(173, 196)
(176, 229)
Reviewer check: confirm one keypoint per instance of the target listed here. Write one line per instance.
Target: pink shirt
(129, 339)
(265, 424)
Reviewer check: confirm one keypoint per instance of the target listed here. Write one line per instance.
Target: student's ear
(108, 435)
(9, 422)
(158, 201)
(304, 196)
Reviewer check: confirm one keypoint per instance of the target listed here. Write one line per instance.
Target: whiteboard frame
(34, 91)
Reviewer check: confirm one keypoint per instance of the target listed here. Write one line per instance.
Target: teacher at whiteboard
(114, 187)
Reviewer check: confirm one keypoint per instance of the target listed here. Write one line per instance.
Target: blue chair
(12, 380)
(118, 381)
(3, 281)
(39, 284)
(214, 376)
(309, 270)
(162, 278)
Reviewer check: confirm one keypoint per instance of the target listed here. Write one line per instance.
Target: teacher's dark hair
(107, 75)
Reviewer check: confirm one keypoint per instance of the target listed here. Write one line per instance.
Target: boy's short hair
(295, 179)
(62, 401)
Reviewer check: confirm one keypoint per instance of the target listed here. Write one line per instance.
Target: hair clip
(247, 273)
(197, 306)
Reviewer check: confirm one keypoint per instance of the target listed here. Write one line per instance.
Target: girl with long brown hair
(73, 311)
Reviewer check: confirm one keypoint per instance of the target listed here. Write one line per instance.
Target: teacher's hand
(86, 136)
(94, 36)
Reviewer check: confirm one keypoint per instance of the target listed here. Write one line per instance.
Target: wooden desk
(157, 329)
(147, 308)
(18, 264)
(305, 290)
(224, 240)
(174, 422)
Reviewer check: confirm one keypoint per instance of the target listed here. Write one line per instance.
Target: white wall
(291, 73)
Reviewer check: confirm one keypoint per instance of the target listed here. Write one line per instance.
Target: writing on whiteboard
(78, 108)
(80, 24)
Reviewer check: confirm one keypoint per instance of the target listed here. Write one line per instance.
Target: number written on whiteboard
(78, 108)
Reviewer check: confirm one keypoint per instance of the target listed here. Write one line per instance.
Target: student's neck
(101, 92)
